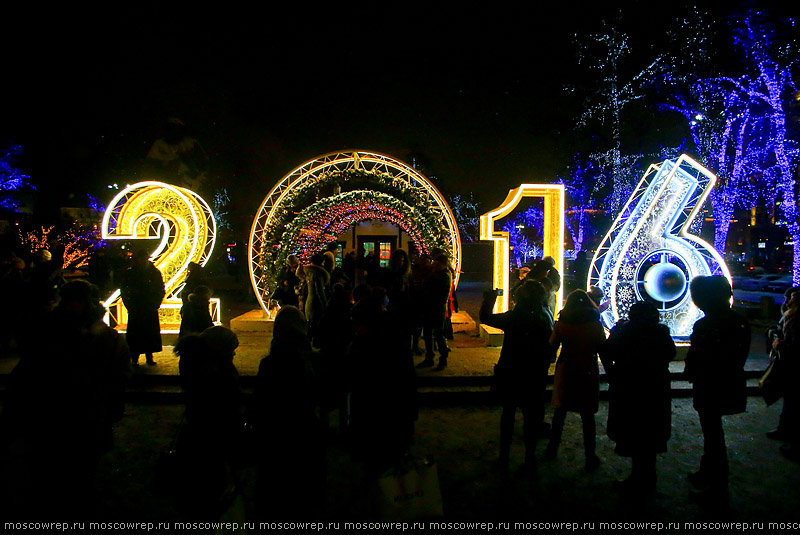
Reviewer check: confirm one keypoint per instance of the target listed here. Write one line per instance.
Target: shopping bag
(771, 382)
(409, 491)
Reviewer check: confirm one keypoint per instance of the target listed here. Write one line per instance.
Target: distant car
(779, 285)
(775, 282)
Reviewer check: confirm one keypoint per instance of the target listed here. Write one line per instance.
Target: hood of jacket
(317, 274)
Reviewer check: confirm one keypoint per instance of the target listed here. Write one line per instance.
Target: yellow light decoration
(181, 226)
(339, 161)
(553, 195)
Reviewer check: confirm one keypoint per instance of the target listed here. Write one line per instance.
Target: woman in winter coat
(195, 314)
(290, 477)
(63, 398)
(636, 358)
(210, 440)
(576, 388)
(521, 373)
(383, 401)
(720, 343)
(142, 290)
(784, 339)
(317, 279)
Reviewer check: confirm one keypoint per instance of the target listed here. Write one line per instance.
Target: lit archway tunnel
(319, 201)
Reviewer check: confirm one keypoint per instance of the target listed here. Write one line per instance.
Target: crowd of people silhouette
(344, 340)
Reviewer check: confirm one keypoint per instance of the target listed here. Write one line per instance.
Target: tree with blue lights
(605, 52)
(718, 118)
(738, 125)
(525, 235)
(769, 86)
(584, 184)
(12, 179)
(466, 211)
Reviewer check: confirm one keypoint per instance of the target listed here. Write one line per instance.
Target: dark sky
(476, 95)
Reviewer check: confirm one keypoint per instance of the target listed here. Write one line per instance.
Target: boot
(442, 362)
(555, 434)
(427, 363)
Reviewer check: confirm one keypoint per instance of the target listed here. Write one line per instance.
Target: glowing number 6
(649, 255)
(182, 228)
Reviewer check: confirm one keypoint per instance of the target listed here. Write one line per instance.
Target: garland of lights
(326, 219)
(387, 199)
(335, 174)
(347, 180)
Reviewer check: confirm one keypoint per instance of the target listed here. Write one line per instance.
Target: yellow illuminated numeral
(553, 195)
(180, 225)
(649, 253)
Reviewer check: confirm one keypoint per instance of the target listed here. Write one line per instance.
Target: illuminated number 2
(649, 255)
(182, 229)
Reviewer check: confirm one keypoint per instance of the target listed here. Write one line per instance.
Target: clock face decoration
(649, 253)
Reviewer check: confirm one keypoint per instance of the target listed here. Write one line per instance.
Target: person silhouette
(142, 290)
(720, 343)
(521, 372)
(70, 385)
(211, 438)
(636, 359)
(290, 473)
(576, 385)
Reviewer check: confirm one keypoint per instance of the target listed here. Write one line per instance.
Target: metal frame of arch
(340, 161)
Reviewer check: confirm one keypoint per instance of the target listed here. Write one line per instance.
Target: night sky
(476, 97)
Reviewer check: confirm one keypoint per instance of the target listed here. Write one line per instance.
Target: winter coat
(290, 473)
(715, 362)
(213, 405)
(384, 391)
(142, 291)
(317, 279)
(436, 295)
(286, 282)
(285, 400)
(195, 316)
(636, 358)
(525, 357)
(67, 390)
(576, 386)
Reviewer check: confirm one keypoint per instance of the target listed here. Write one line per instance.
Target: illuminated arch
(391, 174)
(322, 222)
(553, 243)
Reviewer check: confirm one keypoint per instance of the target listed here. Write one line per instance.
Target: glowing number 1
(649, 255)
(553, 195)
(182, 228)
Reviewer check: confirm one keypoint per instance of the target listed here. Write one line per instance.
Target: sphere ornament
(663, 279)
(664, 282)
